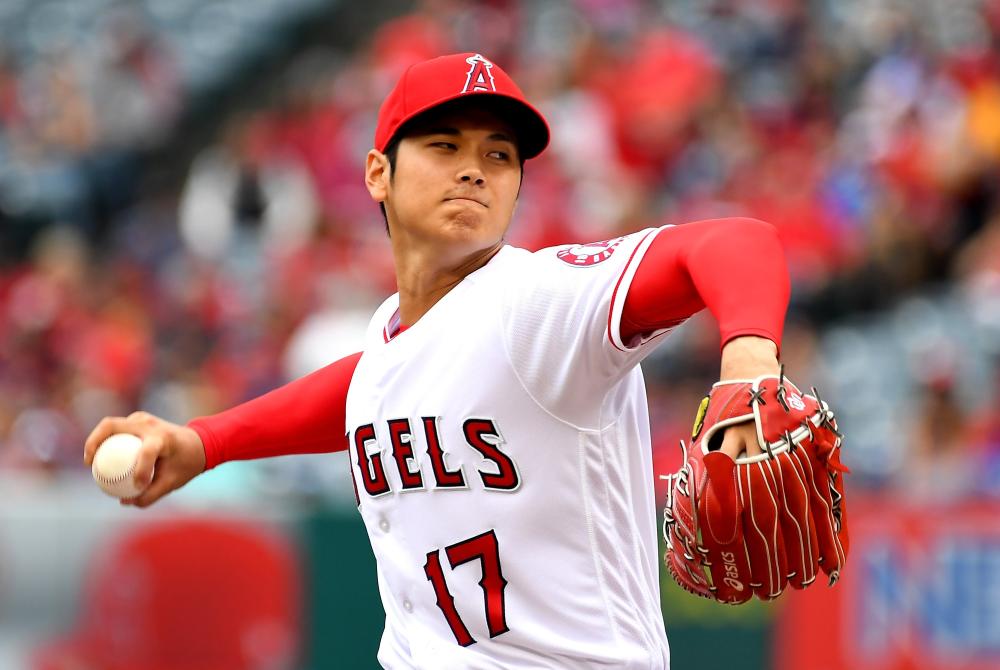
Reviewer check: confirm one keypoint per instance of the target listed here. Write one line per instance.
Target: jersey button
(384, 525)
(407, 605)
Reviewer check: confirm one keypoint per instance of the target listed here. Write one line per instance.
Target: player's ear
(377, 172)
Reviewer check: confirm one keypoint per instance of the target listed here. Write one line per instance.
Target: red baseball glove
(752, 526)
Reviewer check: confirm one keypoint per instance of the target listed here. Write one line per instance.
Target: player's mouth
(466, 199)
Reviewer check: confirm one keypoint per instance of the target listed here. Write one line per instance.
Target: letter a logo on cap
(479, 77)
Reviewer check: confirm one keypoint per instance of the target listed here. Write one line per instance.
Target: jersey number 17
(487, 550)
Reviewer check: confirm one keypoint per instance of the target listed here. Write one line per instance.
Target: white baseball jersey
(501, 453)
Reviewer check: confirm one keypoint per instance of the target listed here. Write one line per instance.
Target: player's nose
(472, 176)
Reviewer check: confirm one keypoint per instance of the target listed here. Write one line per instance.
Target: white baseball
(114, 465)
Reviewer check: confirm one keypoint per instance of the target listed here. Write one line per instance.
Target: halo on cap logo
(585, 255)
(479, 77)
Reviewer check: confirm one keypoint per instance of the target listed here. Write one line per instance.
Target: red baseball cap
(187, 594)
(434, 82)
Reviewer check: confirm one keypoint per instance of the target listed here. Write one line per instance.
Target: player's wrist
(748, 357)
(195, 446)
(201, 435)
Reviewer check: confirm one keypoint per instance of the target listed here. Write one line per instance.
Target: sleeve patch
(588, 255)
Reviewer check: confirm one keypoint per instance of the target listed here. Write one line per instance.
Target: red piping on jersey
(614, 294)
(393, 326)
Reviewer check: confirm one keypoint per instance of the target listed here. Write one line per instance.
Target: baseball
(114, 464)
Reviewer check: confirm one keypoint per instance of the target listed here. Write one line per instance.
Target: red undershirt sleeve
(734, 266)
(306, 416)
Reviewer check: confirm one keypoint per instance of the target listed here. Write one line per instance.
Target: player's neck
(421, 282)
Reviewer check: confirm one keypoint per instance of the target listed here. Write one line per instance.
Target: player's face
(456, 181)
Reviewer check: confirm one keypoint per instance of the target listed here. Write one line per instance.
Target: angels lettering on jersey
(498, 472)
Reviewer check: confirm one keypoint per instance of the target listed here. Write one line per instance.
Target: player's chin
(468, 223)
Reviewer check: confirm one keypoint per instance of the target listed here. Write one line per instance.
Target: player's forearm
(303, 417)
(735, 267)
(738, 267)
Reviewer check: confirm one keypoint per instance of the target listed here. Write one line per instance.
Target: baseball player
(496, 420)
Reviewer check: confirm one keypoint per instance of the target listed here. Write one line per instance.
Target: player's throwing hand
(176, 452)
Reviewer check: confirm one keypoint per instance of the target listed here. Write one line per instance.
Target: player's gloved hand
(176, 451)
(773, 516)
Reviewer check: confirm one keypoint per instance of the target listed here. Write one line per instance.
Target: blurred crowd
(74, 115)
(868, 133)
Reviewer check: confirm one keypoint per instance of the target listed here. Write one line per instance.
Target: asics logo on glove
(729, 559)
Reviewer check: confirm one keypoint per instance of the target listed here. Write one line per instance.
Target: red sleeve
(306, 416)
(735, 267)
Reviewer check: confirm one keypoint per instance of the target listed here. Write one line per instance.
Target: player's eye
(499, 155)
(445, 145)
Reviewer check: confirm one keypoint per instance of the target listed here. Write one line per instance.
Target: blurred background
(184, 225)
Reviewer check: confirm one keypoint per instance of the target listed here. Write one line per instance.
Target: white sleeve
(561, 317)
